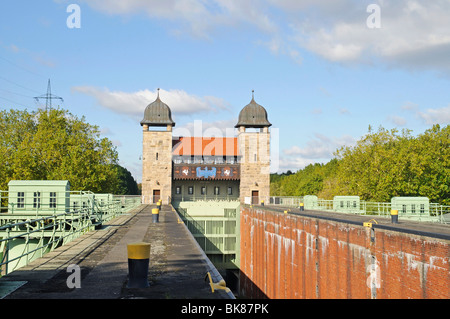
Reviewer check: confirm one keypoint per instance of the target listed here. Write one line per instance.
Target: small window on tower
(157, 156)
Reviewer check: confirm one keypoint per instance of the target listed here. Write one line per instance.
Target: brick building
(189, 168)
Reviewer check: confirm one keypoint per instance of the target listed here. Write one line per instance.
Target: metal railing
(25, 240)
(435, 213)
(38, 223)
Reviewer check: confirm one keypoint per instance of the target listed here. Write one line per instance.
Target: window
(216, 190)
(52, 199)
(191, 190)
(203, 190)
(422, 208)
(230, 190)
(37, 200)
(413, 208)
(20, 200)
(157, 155)
(178, 190)
(404, 209)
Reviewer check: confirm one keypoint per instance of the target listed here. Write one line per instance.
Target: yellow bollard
(394, 216)
(155, 215)
(138, 262)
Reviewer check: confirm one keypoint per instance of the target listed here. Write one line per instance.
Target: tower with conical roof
(254, 147)
(157, 152)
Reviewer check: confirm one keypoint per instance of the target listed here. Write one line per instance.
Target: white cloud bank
(414, 34)
(134, 103)
(436, 116)
(320, 149)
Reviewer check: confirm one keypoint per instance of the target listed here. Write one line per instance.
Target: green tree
(381, 165)
(55, 145)
(127, 184)
(386, 163)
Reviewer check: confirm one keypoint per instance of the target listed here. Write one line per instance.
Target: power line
(23, 87)
(7, 91)
(3, 98)
(21, 67)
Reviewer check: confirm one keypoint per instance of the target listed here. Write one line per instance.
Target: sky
(325, 70)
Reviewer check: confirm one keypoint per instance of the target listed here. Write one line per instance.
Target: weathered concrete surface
(177, 267)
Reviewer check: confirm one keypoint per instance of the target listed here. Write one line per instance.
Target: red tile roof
(206, 146)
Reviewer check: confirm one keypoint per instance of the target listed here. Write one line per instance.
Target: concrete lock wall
(288, 256)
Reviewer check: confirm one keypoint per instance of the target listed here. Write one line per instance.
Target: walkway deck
(177, 265)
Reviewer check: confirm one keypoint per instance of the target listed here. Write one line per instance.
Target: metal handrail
(436, 212)
(53, 226)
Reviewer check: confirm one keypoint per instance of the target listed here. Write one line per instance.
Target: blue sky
(321, 73)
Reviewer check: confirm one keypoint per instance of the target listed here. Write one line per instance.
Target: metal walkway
(177, 265)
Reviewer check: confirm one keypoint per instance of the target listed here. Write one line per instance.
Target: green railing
(29, 229)
(434, 212)
(25, 240)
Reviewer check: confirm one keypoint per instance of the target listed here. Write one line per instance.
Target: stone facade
(254, 156)
(255, 166)
(157, 166)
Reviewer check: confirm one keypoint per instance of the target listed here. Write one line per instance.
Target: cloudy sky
(324, 70)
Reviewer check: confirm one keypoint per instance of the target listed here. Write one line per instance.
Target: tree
(55, 145)
(127, 184)
(380, 166)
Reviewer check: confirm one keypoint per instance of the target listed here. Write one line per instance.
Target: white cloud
(397, 120)
(134, 103)
(318, 150)
(413, 34)
(436, 116)
(409, 106)
(344, 110)
(200, 17)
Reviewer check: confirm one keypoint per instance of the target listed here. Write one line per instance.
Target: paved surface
(177, 265)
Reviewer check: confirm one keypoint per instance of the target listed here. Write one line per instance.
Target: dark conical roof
(253, 115)
(157, 114)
